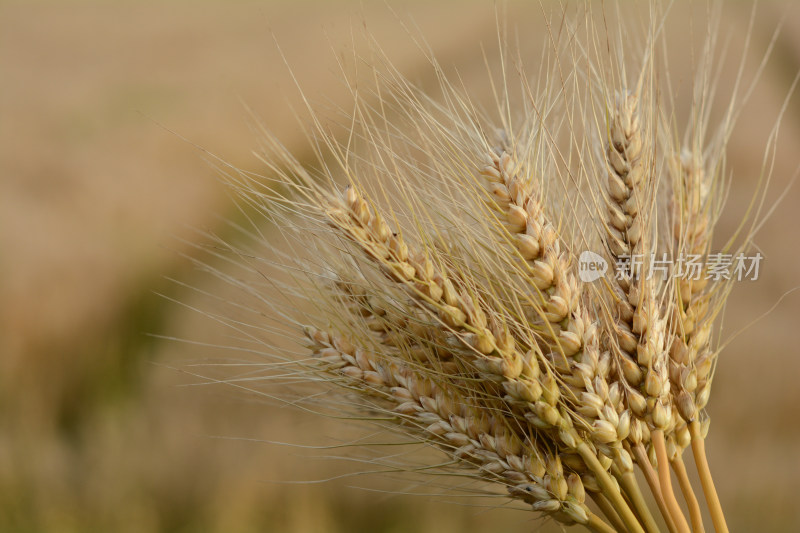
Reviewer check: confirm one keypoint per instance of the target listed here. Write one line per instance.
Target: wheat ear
(641, 330)
(691, 360)
(450, 420)
(572, 330)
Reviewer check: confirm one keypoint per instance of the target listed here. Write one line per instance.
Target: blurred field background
(98, 431)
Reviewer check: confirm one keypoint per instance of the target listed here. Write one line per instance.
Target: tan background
(96, 193)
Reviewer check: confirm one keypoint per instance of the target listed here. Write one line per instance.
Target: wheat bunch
(431, 265)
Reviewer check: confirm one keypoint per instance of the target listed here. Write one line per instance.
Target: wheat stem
(695, 515)
(712, 499)
(666, 481)
(631, 487)
(608, 511)
(610, 489)
(655, 487)
(597, 525)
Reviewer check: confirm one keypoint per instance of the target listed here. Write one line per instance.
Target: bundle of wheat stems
(429, 261)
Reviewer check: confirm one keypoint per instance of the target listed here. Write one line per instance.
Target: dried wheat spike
(640, 334)
(573, 331)
(480, 442)
(691, 358)
(538, 243)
